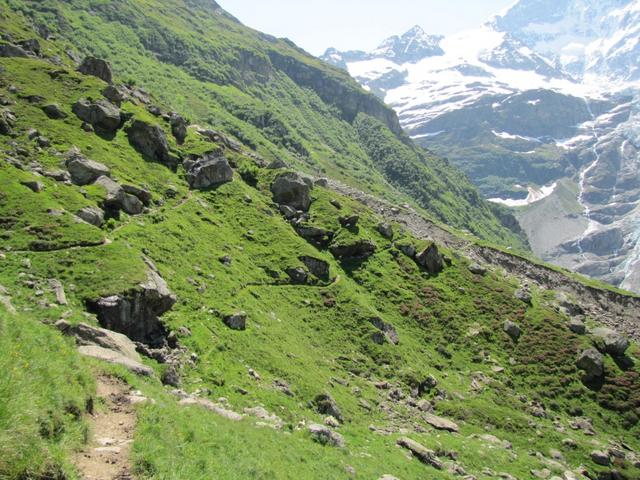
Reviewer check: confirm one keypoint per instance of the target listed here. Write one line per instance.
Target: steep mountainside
(539, 108)
(177, 303)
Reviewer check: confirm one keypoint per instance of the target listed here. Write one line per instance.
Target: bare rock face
(96, 67)
(136, 313)
(210, 170)
(290, 189)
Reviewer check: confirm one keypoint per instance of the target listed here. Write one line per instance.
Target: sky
(358, 24)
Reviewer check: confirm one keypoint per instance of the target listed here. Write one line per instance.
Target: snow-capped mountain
(540, 107)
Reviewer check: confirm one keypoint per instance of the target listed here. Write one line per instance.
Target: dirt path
(106, 456)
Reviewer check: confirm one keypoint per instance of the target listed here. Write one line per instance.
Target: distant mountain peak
(412, 46)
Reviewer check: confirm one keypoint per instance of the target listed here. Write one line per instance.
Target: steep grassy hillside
(323, 316)
(275, 98)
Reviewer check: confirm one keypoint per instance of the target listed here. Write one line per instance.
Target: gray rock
(297, 275)
(350, 221)
(92, 215)
(178, 127)
(103, 115)
(614, 343)
(385, 230)
(96, 67)
(58, 289)
(7, 122)
(316, 266)
(386, 328)
(326, 405)
(321, 182)
(210, 170)
(290, 189)
(524, 295)
(118, 199)
(135, 313)
(151, 142)
(110, 356)
(31, 45)
(430, 259)
(54, 111)
(114, 94)
(88, 335)
(600, 458)
(591, 362)
(236, 321)
(577, 326)
(82, 170)
(477, 269)
(512, 330)
(8, 50)
(277, 164)
(33, 185)
(422, 453)
(358, 249)
(440, 423)
(324, 435)
(143, 195)
(408, 249)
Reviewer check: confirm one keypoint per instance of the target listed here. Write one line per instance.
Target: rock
(82, 170)
(54, 111)
(427, 385)
(326, 405)
(31, 45)
(8, 50)
(178, 127)
(236, 321)
(331, 422)
(87, 335)
(613, 342)
(477, 269)
(92, 215)
(385, 230)
(58, 289)
(317, 236)
(115, 95)
(321, 182)
(316, 266)
(298, 275)
(142, 194)
(213, 407)
(512, 330)
(290, 189)
(111, 356)
(96, 67)
(171, 376)
(524, 295)
(277, 164)
(7, 122)
(358, 249)
(102, 115)
(388, 477)
(591, 362)
(151, 142)
(350, 221)
(33, 185)
(600, 458)
(325, 435)
(408, 249)
(136, 312)
(118, 199)
(440, 423)
(43, 142)
(210, 170)
(577, 326)
(430, 259)
(386, 328)
(58, 175)
(421, 452)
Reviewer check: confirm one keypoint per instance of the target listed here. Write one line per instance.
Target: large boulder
(358, 249)
(290, 189)
(316, 266)
(82, 170)
(118, 199)
(324, 435)
(178, 127)
(440, 423)
(54, 112)
(7, 122)
(110, 356)
(430, 259)
(611, 341)
(386, 329)
(9, 50)
(136, 313)
(512, 329)
(88, 335)
(96, 67)
(151, 142)
(421, 452)
(91, 215)
(103, 115)
(591, 362)
(326, 405)
(210, 170)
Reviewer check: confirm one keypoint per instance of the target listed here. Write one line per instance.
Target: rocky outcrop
(118, 199)
(316, 266)
(151, 142)
(354, 250)
(422, 453)
(611, 341)
(102, 115)
(325, 436)
(512, 330)
(88, 335)
(236, 321)
(209, 170)
(440, 423)
(591, 362)
(430, 259)
(326, 405)
(96, 67)
(136, 313)
(388, 331)
(178, 127)
(290, 189)
(116, 358)
(82, 170)
(7, 122)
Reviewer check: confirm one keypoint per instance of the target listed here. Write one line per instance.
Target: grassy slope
(316, 338)
(219, 72)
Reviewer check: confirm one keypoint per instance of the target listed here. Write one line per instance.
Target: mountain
(539, 108)
(221, 258)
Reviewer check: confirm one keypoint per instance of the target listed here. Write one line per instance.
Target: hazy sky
(358, 24)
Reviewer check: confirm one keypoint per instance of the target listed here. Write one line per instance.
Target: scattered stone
(268, 419)
(421, 452)
(283, 386)
(326, 405)
(111, 356)
(210, 170)
(102, 115)
(512, 330)
(33, 185)
(114, 94)
(430, 259)
(577, 326)
(388, 477)
(277, 164)
(336, 203)
(358, 249)
(96, 67)
(54, 111)
(143, 195)
(477, 269)
(151, 142)
(325, 435)
(82, 170)
(213, 407)
(331, 422)
(236, 321)
(613, 342)
(386, 230)
(592, 363)
(440, 423)
(92, 215)
(171, 376)
(290, 189)
(600, 458)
